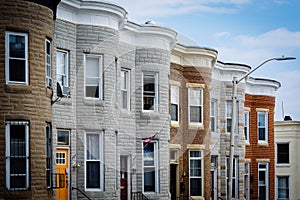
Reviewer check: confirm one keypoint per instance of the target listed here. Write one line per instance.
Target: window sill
(283, 165)
(262, 144)
(150, 115)
(94, 102)
(247, 143)
(18, 89)
(196, 126)
(174, 124)
(197, 198)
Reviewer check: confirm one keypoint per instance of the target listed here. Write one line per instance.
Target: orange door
(62, 169)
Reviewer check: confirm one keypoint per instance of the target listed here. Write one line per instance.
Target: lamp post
(236, 81)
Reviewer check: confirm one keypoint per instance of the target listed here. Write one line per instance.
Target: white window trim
(100, 57)
(128, 88)
(8, 124)
(66, 66)
(266, 127)
(246, 124)
(277, 185)
(156, 91)
(248, 182)
(237, 116)
(282, 164)
(60, 143)
(8, 33)
(189, 105)
(101, 160)
(48, 77)
(235, 175)
(266, 178)
(214, 103)
(202, 172)
(176, 103)
(155, 165)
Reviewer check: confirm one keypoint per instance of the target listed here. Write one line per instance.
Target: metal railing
(138, 196)
(82, 192)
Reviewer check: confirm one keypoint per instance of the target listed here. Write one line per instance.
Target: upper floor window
(150, 91)
(263, 177)
(94, 169)
(17, 155)
(229, 117)
(246, 125)
(262, 126)
(150, 167)
(62, 68)
(213, 116)
(125, 89)
(93, 77)
(195, 105)
(16, 58)
(196, 173)
(283, 153)
(48, 64)
(174, 103)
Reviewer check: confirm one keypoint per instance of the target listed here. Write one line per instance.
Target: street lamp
(235, 81)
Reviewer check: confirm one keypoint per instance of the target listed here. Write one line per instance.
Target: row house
(287, 146)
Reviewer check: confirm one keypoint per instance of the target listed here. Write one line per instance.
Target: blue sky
(242, 31)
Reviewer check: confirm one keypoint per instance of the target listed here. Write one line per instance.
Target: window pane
(16, 46)
(195, 187)
(149, 103)
(195, 114)
(92, 67)
(93, 174)
(18, 165)
(17, 70)
(149, 180)
(149, 154)
(124, 99)
(92, 91)
(18, 182)
(63, 137)
(262, 133)
(92, 147)
(261, 119)
(174, 112)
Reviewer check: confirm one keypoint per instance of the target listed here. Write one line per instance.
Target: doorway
(62, 172)
(125, 177)
(173, 181)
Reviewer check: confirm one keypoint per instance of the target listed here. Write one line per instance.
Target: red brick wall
(254, 151)
(183, 135)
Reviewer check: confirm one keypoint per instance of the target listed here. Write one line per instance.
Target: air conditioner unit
(49, 82)
(66, 91)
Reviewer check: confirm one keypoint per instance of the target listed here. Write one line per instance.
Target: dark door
(124, 178)
(173, 181)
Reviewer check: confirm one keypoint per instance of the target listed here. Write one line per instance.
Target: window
(229, 117)
(263, 181)
(150, 162)
(63, 137)
(16, 58)
(48, 64)
(48, 155)
(17, 155)
(195, 105)
(125, 89)
(150, 91)
(196, 174)
(235, 174)
(93, 77)
(283, 188)
(94, 171)
(213, 116)
(283, 153)
(174, 103)
(247, 181)
(263, 126)
(246, 125)
(62, 68)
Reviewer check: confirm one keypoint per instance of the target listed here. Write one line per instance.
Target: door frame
(69, 171)
(128, 158)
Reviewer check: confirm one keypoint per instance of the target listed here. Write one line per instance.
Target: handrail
(138, 196)
(82, 192)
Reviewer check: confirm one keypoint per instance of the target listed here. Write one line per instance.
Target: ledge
(18, 89)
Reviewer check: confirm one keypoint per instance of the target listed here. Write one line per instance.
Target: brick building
(26, 34)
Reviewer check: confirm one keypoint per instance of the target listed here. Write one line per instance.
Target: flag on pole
(147, 140)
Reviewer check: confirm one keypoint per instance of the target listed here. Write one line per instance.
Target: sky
(242, 31)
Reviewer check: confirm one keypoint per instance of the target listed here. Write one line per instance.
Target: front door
(173, 181)
(62, 171)
(124, 177)
(213, 184)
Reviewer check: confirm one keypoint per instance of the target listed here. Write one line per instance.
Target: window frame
(8, 153)
(199, 105)
(266, 185)
(7, 58)
(287, 178)
(235, 176)
(246, 125)
(48, 63)
(100, 160)
(229, 118)
(284, 154)
(213, 115)
(155, 166)
(265, 126)
(155, 104)
(59, 143)
(175, 101)
(48, 156)
(201, 158)
(99, 77)
(66, 67)
(127, 89)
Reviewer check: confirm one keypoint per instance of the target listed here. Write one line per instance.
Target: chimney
(287, 118)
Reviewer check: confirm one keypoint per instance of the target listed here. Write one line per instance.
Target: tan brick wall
(254, 151)
(27, 102)
(183, 134)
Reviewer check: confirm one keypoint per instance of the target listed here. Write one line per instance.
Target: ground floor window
(17, 155)
(235, 175)
(263, 181)
(150, 162)
(283, 188)
(195, 172)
